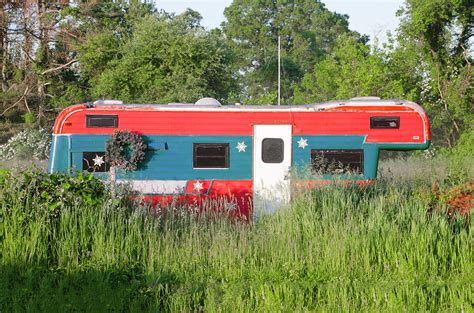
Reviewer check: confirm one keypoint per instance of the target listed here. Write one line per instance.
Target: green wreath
(116, 153)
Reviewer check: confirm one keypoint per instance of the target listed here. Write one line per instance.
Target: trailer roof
(334, 105)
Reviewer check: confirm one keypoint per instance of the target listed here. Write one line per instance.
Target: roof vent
(208, 101)
(108, 102)
(365, 98)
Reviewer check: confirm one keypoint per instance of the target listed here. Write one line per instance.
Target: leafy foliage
(166, 59)
(31, 143)
(308, 32)
(37, 192)
(351, 70)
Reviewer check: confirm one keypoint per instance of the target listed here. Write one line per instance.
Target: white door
(271, 164)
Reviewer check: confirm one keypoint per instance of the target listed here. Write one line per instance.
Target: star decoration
(302, 143)
(98, 160)
(197, 186)
(241, 146)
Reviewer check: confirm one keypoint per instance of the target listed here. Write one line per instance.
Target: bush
(36, 192)
(30, 143)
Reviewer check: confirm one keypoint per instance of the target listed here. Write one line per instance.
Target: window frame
(226, 156)
(375, 119)
(341, 151)
(91, 116)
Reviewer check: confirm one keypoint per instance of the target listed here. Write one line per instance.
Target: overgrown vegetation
(30, 144)
(338, 248)
(66, 244)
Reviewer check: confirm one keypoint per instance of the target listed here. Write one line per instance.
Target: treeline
(53, 54)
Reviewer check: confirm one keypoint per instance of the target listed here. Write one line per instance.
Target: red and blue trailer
(235, 152)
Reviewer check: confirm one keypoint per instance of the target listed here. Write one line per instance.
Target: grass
(335, 249)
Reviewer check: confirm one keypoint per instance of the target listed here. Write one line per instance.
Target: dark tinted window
(385, 122)
(272, 150)
(101, 121)
(337, 161)
(94, 162)
(211, 155)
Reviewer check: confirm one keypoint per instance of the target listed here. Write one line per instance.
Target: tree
(352, 69)
(308, 32)
(437, 34)
(166, 59)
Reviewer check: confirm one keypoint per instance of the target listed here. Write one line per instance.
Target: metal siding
(302, 157)
(174, 163)
(412, 129)
(59, 155)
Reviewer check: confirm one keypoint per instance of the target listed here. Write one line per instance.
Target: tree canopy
(308, 32)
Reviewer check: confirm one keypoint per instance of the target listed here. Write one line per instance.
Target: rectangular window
(110, 121)
(272, 150)
(211, 155)
(94, 162)
(337, 161)
(384, 122)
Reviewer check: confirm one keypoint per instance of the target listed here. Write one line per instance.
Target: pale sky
(370, 17)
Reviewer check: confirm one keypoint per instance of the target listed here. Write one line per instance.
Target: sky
(370, 17)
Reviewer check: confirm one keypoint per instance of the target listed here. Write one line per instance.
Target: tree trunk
(3, 46)
(44, 53)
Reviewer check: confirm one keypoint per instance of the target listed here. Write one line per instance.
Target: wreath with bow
(125, 150)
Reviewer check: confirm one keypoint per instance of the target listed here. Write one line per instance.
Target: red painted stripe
(413, 129)
(229, 197)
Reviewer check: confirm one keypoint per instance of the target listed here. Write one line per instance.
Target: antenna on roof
(279, 74)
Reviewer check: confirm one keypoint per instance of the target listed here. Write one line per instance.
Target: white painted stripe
(51, 168)
(156, 186)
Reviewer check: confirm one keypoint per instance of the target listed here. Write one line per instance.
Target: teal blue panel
(90, 143)
(302, 157)
(59, 160)
(371, 160)
(176, 161)
(157, 145)
(404, 146)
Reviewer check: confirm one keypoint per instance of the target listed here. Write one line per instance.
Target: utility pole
(279, 74)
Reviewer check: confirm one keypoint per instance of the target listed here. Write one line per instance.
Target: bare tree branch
(59, 67)
(19, 100)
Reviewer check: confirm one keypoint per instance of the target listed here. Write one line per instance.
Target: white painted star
(241, 146)
(197, 186)
(302, 143)
(98, 160)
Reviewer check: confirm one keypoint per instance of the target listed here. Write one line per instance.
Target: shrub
(30, 143)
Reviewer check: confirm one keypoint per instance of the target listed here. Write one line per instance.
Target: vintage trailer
(238, 153)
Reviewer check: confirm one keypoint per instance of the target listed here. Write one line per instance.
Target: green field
(66, 246)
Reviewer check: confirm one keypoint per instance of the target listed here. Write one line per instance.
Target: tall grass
(337, 248)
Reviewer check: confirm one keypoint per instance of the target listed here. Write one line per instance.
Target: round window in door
(272, 150)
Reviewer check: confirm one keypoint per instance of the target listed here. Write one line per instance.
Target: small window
(385, 122)
(211, 155)
(272, 150)
(110, 121)
(337, 161)
(94, 162)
